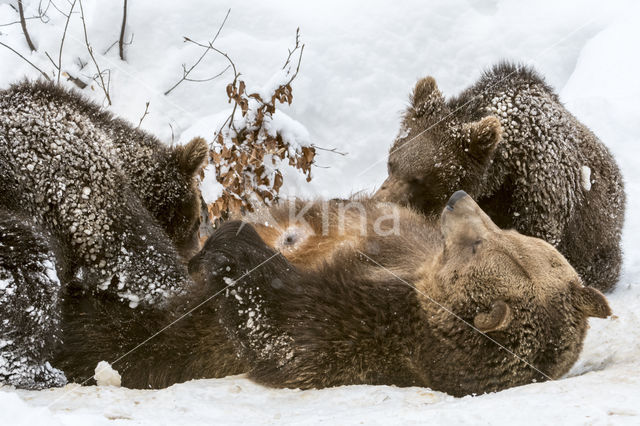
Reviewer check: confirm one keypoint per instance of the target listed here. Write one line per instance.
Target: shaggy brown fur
(532, 166)
(87, 200)
(440, 304)
(101, 328)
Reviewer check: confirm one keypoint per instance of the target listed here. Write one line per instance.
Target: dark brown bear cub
(511, 144)
(455, 304)
(91, 210)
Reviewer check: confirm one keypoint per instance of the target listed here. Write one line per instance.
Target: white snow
(210, 188)
(5, 283)
(105, 375)
(585, 177)
(361, 59)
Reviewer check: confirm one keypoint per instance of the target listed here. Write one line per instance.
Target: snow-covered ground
(360, 61)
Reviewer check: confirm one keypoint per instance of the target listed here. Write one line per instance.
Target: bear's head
(177, 201)
(436, 154)
(507, 308)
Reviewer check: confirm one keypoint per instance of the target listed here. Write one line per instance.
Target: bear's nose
(455, 198)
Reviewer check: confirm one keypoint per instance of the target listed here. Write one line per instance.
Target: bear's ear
(192, 156)
(426, 98)
(591, 301)
(484, 136)
(497, 319)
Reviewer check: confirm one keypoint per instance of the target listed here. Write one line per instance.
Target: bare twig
(126, 43)
(236, 74)
(42, 15)
(173, 138)
(64, 35)
(146, 112)
(124, 24)
(23, 23)
(202, 80)
(295, 74)
(292, 51)
(105, 87)
(26, 60)
(81, 64)
(58, 9)
(334, 150)
(186, 72)
(51, 59)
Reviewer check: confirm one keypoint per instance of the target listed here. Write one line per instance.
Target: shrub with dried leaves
(248, 150)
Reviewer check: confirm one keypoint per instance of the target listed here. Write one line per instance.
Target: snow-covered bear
(89, 207)
(375, 293)
(511, 144)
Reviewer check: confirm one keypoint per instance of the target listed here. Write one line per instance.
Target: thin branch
(23, 23)
(295, 74)
(81, 64)
(42, 15)
(105, 88)
(185, 71)
(58, 9)
(210, 78)
(64, 34)
(334, 150)
(26, 60)
(291, 51)
(51, 59)
(172, 134)
(126, 43)
(146, 112)
(124, 24)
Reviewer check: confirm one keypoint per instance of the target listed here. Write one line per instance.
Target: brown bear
(90, 208)
(511, 144)
(454, 304)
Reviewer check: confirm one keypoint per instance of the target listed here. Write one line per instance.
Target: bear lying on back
(511, 144)
(458, 305)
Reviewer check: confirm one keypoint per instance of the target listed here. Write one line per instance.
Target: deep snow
(361, 59)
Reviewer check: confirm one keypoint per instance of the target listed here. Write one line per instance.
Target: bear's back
(66, 167)
(542, 144)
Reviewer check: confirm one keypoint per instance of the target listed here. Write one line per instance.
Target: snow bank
(361, 59)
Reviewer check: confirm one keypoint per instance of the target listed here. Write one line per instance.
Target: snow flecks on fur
(27, 298)
(535, 129)
(257, 326)
(585, 177)
(546, 145)
(71, 175)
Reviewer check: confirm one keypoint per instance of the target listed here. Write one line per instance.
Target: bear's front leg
(29, 305)
(249, 277)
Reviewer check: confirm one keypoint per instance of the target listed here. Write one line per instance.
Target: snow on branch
(249, 149)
